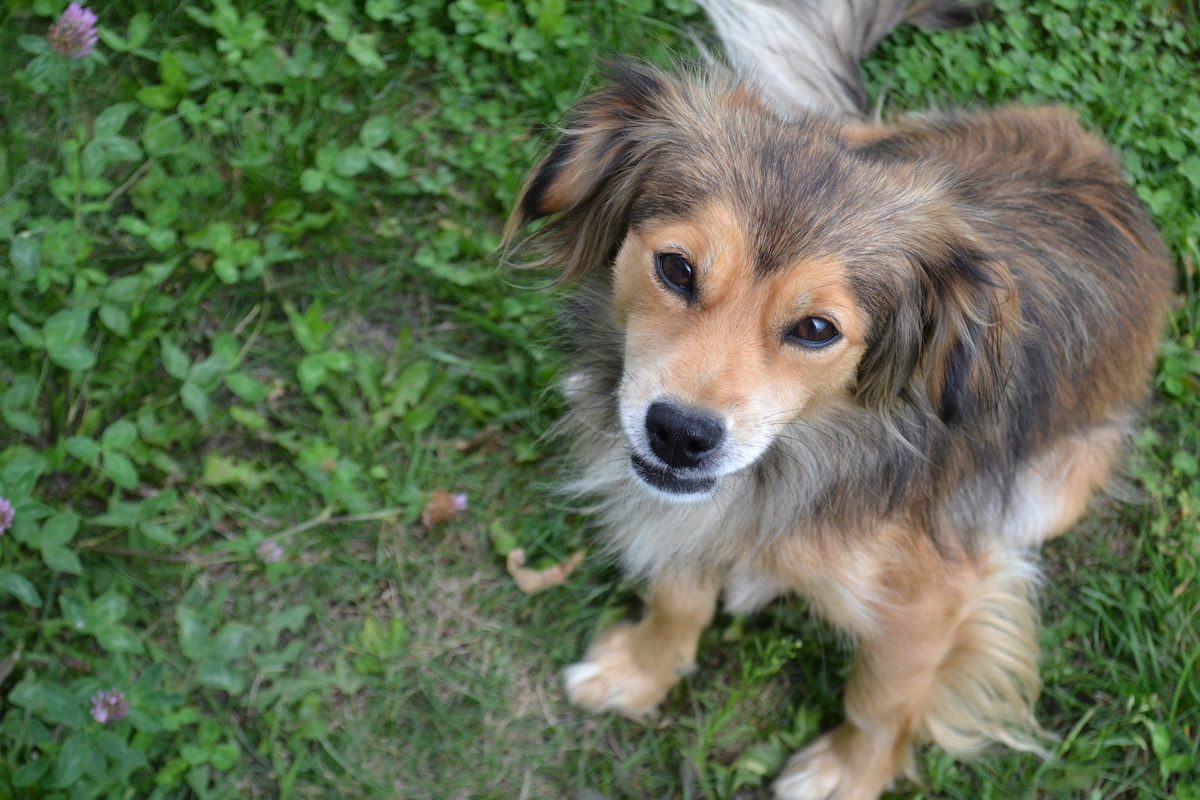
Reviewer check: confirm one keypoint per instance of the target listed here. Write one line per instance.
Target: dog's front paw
(833, 768)
(611, 677)
(815, 773)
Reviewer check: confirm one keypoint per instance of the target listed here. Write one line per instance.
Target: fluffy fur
(872, 364)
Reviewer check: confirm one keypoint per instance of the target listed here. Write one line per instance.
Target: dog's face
(760, 270)
(718, 358)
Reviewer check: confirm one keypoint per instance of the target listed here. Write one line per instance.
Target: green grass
(250, 301)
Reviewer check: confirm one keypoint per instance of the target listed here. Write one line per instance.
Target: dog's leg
(630, 667)
(952, 658)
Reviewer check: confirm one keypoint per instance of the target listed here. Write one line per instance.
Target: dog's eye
(812, 332)
(676, 272)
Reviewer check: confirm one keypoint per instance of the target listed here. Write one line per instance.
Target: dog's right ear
(589, 180)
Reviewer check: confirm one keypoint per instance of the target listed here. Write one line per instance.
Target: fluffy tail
(805, 54)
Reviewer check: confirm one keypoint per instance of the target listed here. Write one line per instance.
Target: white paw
(815, 773)
(609, 679)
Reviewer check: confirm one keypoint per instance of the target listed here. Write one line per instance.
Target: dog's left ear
(970, 316)
(948, 341)
(589, 179)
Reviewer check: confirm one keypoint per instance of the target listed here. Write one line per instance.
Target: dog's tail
(805, 54)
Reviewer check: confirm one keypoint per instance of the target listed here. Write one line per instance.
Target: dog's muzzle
(684, 442)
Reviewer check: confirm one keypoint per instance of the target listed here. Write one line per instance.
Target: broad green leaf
(311, 180)
(119, 436)
(20, 588)
(21, 392)
(362, 48)
(107, 610)
(119, 639)
(1190, 168)
(249, 418)
(289, 619)
(206, 373)
(379, 10)
(124, 758)
(127, 289)
(221, 470)
(245, 250)
(68, 767)
(74, 357)
(336, 360)
(93, 159)
(350, 162)
(109, 122)
(158, 533)
(390, 163)
(235, 640)
(119, 469)
(1160, 739)
(147, 722)
(174, 360)
(226, 269)
(21, 421)
(170, 72)
(195, 400)
(245, 387)
(420, 418)
(194, 754)
(149, 678)
(162, 239)
(411, 384)
(223, 757)
(31, 772)
(311, 373)
(308, 328)
(57, 531)
(218, 675)
(10, 214)
(20, 475)
(193, 636)
(25, 253)
(65, 327)
(163, 136)
(50, 702)
(60, 559)
(26, 333)
(83, 447)
(337, 21)
(122, 148)
(74, 612)
(138, 31)
(115, 318)
(158, 97)
(375, 132)
(216, 237)
(1178, 763)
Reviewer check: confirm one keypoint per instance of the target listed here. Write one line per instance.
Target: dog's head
(762, 271)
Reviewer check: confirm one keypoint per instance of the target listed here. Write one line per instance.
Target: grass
(252, 321)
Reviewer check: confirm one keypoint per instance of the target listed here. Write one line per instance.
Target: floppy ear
(946, 343)
(970, 317)
(589, 180)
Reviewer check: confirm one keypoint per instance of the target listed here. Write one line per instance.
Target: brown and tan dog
(872, 364)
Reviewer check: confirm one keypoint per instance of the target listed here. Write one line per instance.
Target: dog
(874, 364)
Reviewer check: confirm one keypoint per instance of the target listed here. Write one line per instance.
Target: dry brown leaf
(442, 506)
(532, 581)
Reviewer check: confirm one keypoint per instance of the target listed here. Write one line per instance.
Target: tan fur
(630, 667)
(996, 293)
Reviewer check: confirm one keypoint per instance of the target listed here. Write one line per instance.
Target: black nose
(682, 437)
